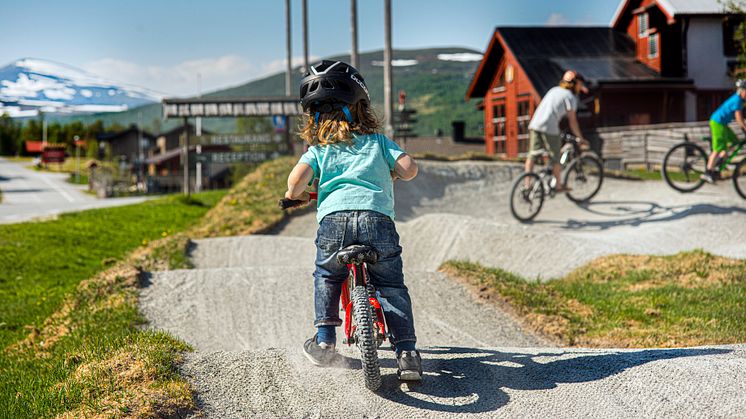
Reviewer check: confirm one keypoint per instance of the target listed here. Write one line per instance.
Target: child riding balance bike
(355, 167)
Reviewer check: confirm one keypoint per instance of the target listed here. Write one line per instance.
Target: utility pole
(388, 110)
(186, 157)
(304, 6)
(354, 60)
(288, 46)
(198, 133)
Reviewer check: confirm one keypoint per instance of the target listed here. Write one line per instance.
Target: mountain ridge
(32, 85)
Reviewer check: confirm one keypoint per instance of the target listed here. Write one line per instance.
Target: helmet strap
(316, 118)
(347, 113)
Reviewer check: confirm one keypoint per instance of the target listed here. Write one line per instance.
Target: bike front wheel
(584, 177)
(683, 165)
(526, 197)
(739, 178)
(366, 338)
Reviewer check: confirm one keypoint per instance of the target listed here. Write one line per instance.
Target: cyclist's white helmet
(740, 84)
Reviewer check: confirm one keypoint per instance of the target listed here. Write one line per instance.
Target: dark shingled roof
(601, 54)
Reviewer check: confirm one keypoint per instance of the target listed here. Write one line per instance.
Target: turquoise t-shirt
(727, 111)
(354, 176)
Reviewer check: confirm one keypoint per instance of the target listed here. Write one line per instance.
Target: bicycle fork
(359, 277)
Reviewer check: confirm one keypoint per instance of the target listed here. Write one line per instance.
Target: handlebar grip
(285, 203)
(290, 203)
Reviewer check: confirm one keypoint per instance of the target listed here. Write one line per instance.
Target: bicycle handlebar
(286, 203)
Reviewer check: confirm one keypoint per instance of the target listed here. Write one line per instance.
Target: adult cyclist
(544, 132)
(722, 135)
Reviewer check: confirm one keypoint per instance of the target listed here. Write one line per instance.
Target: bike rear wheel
(584, 177)
(366, 338)
(739, 178)
(526, 197)
(683, 165)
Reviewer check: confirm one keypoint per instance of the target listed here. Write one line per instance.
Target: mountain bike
(583, 174)
(684, 164)
(364, 322)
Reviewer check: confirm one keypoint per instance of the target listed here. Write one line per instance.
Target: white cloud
(182, 79)
(557, 19)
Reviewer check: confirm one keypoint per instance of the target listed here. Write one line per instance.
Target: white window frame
(653, 40)
(642, 30)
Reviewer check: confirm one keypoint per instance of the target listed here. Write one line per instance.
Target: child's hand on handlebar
(304, 196)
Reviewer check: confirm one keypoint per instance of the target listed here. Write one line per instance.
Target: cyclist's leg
(387, 277)
(536, 148)
(721, 137)
(554, 147)
(329, 274)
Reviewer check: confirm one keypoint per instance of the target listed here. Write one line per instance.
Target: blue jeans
(341, 229)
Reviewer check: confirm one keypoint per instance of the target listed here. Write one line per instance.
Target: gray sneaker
(707, 177)
(410, 366)
(320, 354)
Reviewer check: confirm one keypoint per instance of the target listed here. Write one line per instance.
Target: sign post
(282, 107)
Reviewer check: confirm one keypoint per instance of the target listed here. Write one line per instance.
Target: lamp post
(388, 111)
(77, 159)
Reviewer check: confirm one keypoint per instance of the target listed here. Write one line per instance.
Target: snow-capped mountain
(30, 85)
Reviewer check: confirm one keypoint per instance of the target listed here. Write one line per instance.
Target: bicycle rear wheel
(526, 197)
(683, 165)
(739, 178)
(584, 177)
(366, 338)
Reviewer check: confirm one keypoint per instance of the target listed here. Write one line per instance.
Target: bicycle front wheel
(366, 338)
(739, 178)
(526, 197)
(584, 177)
(683, 165)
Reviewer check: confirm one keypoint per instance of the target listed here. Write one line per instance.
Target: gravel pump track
(683, 165)
(365, 338)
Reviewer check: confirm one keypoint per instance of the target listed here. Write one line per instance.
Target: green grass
(81, 180)
(69, 313)
(691, 298)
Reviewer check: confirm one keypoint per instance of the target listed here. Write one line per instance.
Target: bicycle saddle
(357, 253)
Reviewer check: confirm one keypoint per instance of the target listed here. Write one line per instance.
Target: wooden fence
(645, 146)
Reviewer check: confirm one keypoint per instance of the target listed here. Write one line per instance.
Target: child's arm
(405, 167)
(298, 179)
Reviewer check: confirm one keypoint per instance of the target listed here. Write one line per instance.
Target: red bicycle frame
(380, 325)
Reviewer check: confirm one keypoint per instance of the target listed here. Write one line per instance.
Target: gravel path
(484, 382)
(247, 307)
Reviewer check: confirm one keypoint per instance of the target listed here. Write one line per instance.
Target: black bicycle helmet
(330, 82)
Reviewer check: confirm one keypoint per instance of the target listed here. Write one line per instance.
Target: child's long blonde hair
(333, 127)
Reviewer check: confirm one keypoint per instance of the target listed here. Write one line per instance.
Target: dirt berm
(247, 308)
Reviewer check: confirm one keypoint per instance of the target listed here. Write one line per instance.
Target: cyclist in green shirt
(722, 135)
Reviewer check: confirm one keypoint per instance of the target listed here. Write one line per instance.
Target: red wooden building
(660, 61)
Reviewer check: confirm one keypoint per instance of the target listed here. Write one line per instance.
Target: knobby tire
(366, 340)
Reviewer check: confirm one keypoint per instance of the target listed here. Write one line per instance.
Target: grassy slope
(57, 329)
(89, 356)
(691, 298)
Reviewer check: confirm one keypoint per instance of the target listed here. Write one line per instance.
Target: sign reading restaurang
(231, 107)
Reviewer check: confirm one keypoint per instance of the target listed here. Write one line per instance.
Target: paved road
(28, 194)
(247, 309)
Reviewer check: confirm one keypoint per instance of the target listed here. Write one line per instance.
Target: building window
(730, 35)
(653, 46)
(642, 25)
(524, 117)
(498, 121)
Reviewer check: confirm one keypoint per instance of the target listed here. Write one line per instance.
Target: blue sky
(163, 45)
